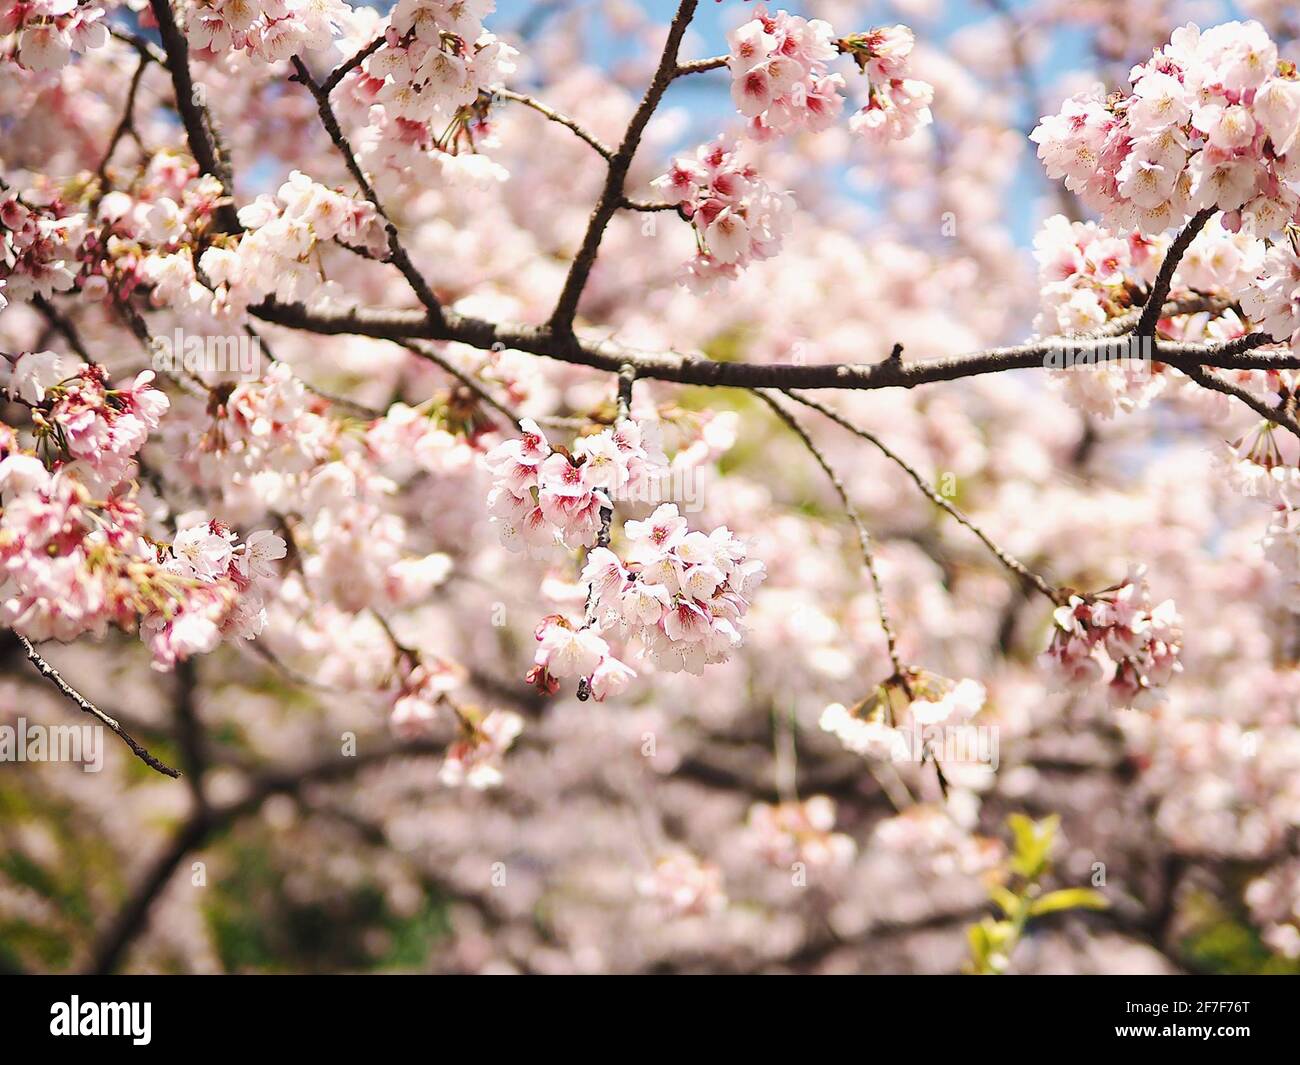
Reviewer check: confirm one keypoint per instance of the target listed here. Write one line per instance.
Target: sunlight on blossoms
(612, 486)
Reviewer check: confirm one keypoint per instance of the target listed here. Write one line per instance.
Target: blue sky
(1069, 50)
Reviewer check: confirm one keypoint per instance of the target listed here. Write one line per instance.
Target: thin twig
(127, 121)
(1276, 415)
(648, 206)
(601, 148)
(345, 68)
(864, 537)
(1146, 326)
(1013, 564)
(69, 692)
(465, 379)
(699, 66)
(63, 324)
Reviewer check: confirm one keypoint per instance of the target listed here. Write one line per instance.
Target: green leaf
(1068, 899)
(1008, 901)
(1033, 841)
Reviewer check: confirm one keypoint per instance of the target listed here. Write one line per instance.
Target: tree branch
(194, 117)
(610, 356)
(1215, 383)
(612, 194)
(601, 148)
(396, 252)
(69, 692)
(1165, 277)
(1013, 564)
(204, 822)
(348, 66)
(864, 537)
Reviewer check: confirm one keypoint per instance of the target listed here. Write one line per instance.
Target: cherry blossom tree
(599, 486)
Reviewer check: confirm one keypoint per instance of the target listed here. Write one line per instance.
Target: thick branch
(608, 355)
(198, 128)
(206, 821)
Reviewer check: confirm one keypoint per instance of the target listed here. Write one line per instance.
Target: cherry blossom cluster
(220, 583)
(475, 757)
(50, 31)
(684, 886)
(793, 832)
(1088, 275)
(897, 105)
(1117, 631)
(424, 689)
(869, 728)
(930, 837)
(272, 444)
(148, 243)
(1259, 468)
(1084, 273)
(543, 498)
(120, 243)
(1273, 301)
(79, 419)
(680, 594)
(568, 650)
(1210, 122)
(1274, 901)
(269, 30)
(435, 60)
(1256, 467)
(1281, 545)
(272, 256)
(781, 82)
(738, 218)
(37, 247)
(72, 538)
(362, 554)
